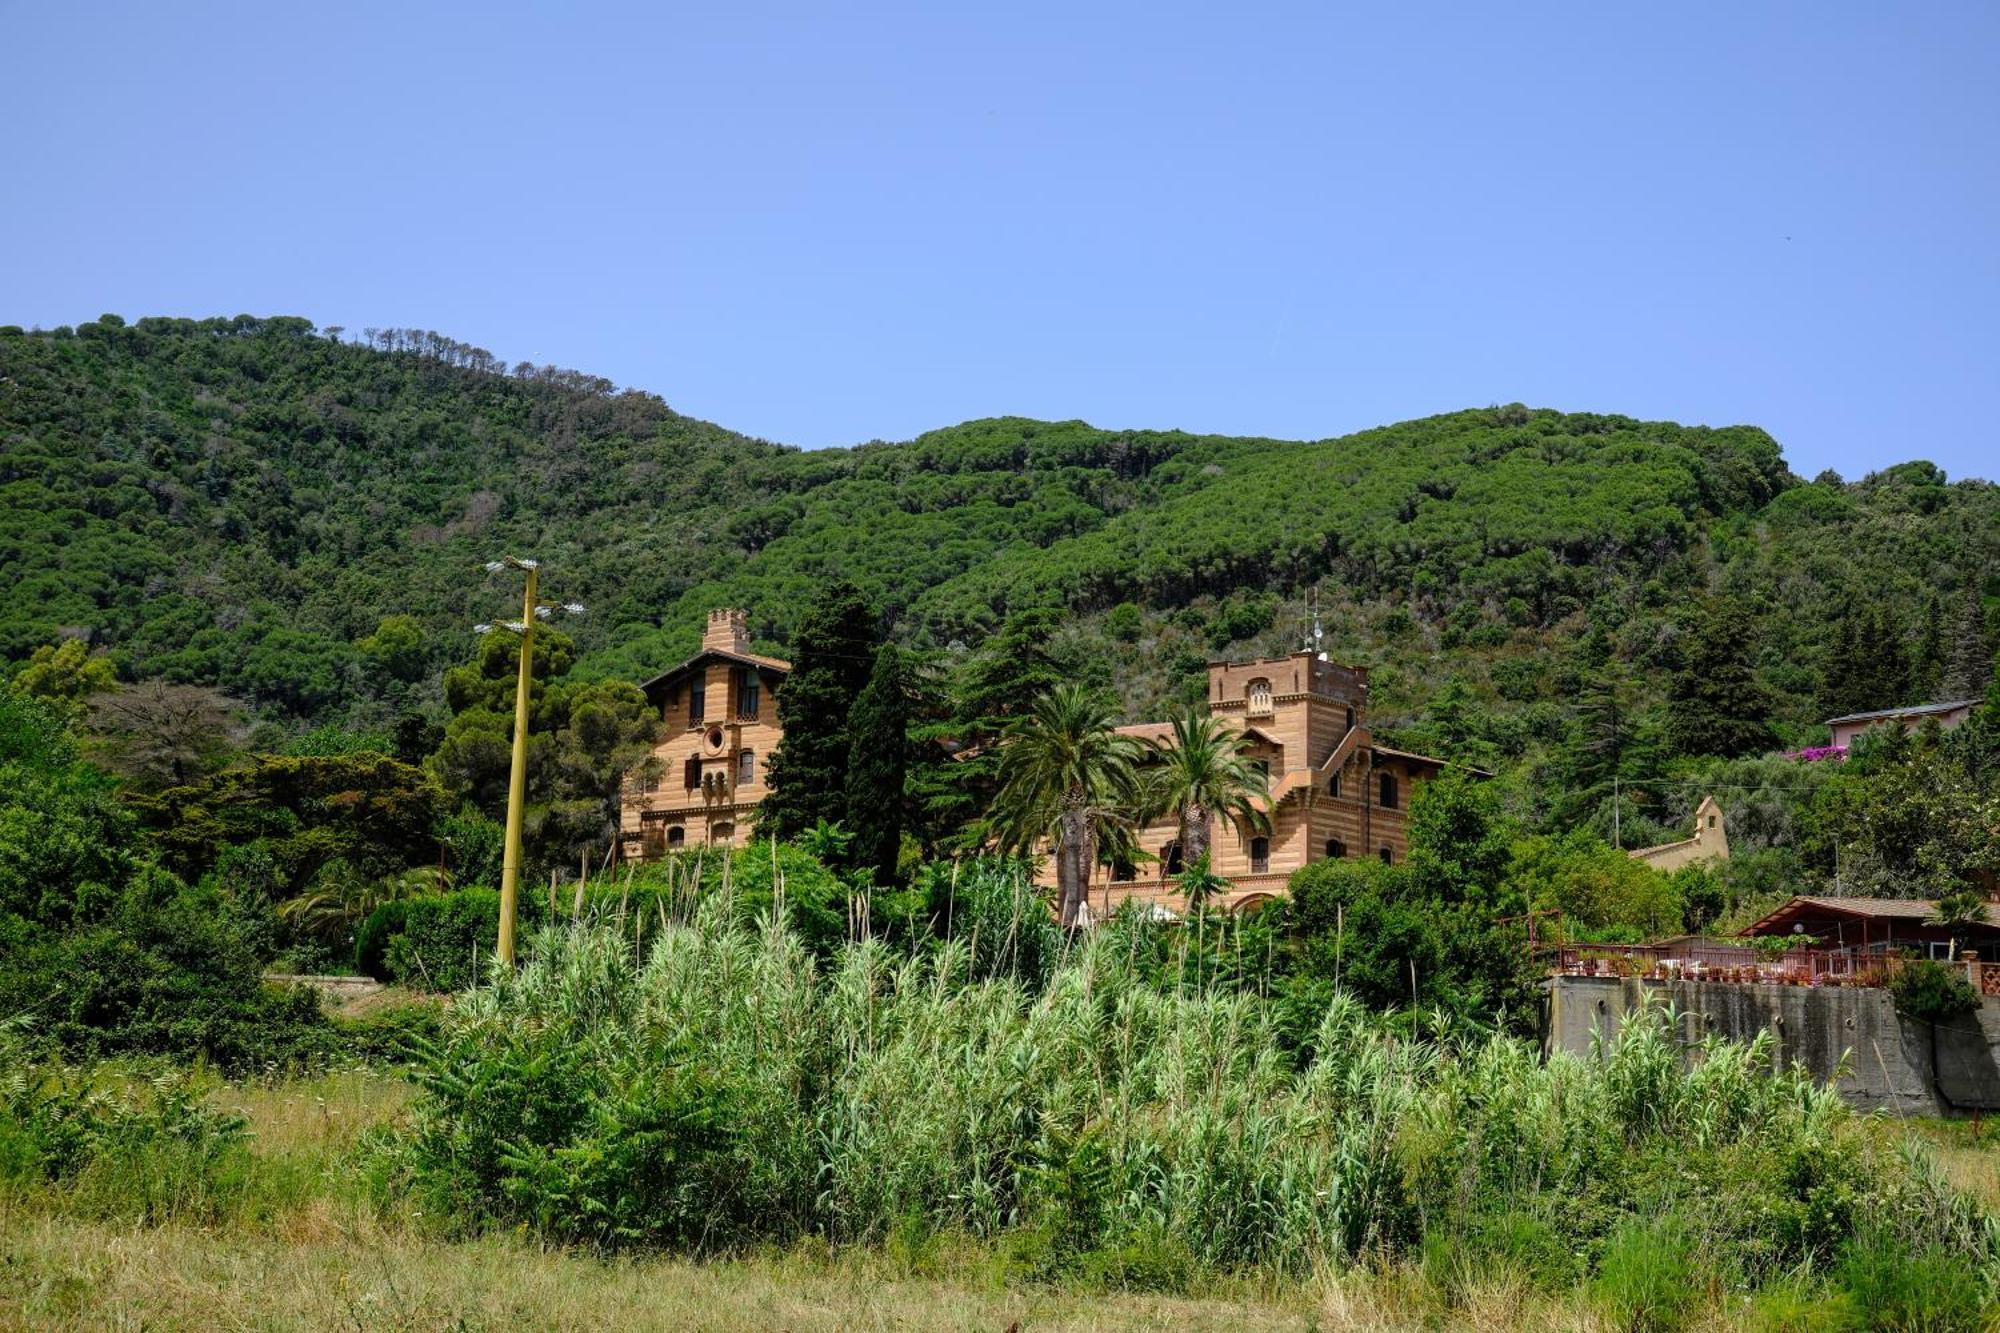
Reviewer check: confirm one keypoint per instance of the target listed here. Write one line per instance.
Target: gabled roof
(1411, 756)
(1917, 910)
(776, 664)
(1914, 710)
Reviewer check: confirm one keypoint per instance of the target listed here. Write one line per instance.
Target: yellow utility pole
(517, 778)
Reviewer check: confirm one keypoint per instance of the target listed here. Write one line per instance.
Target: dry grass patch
(57, 1273)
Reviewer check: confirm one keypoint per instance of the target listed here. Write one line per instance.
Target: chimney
(728, 630)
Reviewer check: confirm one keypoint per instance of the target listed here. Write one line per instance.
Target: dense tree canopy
(250, 504)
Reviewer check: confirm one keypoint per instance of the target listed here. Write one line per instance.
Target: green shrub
(371, 940)
(447, 940)
(170, 970)
(1932, 991)
(390, 1035)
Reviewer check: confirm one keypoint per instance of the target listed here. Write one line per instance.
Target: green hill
(241, 501)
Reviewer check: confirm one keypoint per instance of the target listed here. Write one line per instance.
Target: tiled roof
(1881, 909)
(1428, 759)
(747, 659)
(1914, 710)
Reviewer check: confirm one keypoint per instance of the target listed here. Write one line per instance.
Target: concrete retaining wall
(1894, 1063)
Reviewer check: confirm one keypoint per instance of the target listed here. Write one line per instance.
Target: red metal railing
(1719, 961)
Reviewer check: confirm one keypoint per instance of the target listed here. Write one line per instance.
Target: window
(1260, 855)
(747, 692)
(746, 767)
(1350, 719)
(650, 783)
(1335, 849)
(697, 699)
(1170, 857)
(723, 832)
(1388, 857)
(691, 772)
(1711, 821)
(677, 837)
(1260, 696)
(1333, 785)
(1263, 767)
(1388, 791)
(1122, 872)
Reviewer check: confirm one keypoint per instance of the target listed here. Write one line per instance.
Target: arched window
(1333, 785)
(1259, 696)
(1170, 857)
(1350, 719)
(677, 837)
(1388, 857)
(1260, 855)
(691, 772)
(721, 834)
(746, 767)
(1388, 801)
(1335, 849)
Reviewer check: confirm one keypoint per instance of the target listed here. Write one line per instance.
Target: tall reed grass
(719, 1086)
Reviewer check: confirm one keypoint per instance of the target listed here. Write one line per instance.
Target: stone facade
(1334, 791)
(704, 780)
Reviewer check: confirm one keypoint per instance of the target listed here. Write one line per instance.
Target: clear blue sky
(823, 224)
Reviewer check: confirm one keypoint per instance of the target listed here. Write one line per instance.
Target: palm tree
(1204, 773)
(1067, 776)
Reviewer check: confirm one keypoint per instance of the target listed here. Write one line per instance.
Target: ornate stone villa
(1334, 791)
(707, 774)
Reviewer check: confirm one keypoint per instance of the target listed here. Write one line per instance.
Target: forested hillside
(243, 502)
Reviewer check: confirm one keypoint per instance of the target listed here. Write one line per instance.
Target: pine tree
(1715, 705)
(877, 763)
(1970, 664)
(995, 688)
(830, 664)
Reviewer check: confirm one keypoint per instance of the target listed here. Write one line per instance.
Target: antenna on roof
(1318, 644)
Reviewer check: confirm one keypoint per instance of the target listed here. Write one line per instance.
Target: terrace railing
(1724, 962)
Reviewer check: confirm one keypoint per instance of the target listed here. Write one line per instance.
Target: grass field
(301, 1241)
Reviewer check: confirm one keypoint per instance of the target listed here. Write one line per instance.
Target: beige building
(1334, 792)
(704, 779)
(1709, 843)
(1846, 730)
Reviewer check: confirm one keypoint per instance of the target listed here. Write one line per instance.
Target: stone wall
(1891, 1062)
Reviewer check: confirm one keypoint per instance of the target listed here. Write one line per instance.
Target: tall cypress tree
(1927, 662)
(831, 659)
(877, 763)
(1715, 704)
(1969, 666)
(1836, 670)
